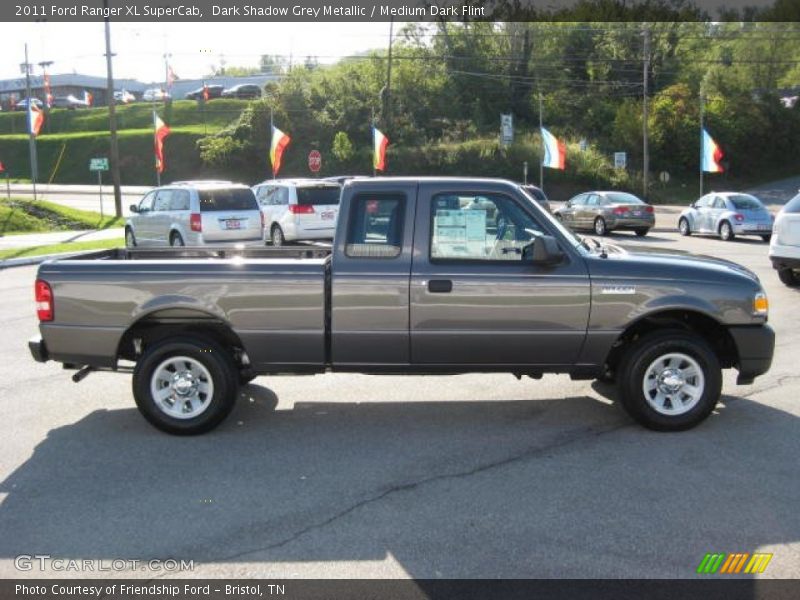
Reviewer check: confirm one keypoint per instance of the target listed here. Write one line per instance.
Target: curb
(35, 260)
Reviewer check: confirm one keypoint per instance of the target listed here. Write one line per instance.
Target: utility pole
(541, 162)
(31, 137)
(387, 101)
(112, 120)
(372, 132)
(645, 132)
(702, 111)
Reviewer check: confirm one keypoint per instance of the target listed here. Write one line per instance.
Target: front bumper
(755, 346)
(38, 349)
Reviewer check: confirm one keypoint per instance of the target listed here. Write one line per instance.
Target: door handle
(440, 286)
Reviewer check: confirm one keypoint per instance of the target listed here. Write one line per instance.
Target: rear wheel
(276, 236)
(669, 380)
(130, 239)
(185, 386)
(642, 231)
(683, 226)
(600, 226)
(726, 232)
(789, 277)
(767, 238)
(175, 239)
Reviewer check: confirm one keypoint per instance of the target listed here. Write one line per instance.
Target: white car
(298, 209)
(155, 95)
(784, 248)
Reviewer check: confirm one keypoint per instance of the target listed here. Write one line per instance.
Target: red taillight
(649, 209)
(196, 222)
(301, 209)
(44, 300)
(621, 210)
(739, 217)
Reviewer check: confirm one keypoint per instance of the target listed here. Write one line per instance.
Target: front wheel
(185, 386)
(130, 239)
(669, 380)
(600, 226)
(683, 227)
(767, 238)
(642, 232)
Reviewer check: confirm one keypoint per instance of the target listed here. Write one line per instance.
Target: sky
(195, 47)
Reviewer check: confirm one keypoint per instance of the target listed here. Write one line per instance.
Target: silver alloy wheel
(130, 241)
(725, 230)
(683, 225)
(600, 226)
(277, 236)
(673, 384)
(181, 387)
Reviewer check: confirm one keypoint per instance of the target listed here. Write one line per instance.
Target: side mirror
(544, 251)
(134, 208)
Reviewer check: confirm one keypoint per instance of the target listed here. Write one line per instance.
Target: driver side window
(477, 226)
(147, 202)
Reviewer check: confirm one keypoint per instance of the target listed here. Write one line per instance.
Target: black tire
(726, 231)
(600, 226)
(642, 354)
(176, 240)
(642, 232)
(788, 277)
(684, 227)
(245, 377)
(223, 374)
(276, 236)
(130, 238)
(767, 238)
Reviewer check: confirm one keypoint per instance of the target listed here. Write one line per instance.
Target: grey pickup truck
(425, 276)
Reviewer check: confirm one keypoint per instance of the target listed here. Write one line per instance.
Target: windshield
(315, 196)
(745, 202)
(227, 199)
(623, 198)
(567, 233)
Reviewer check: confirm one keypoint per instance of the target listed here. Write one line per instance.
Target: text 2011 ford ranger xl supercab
(426, 276)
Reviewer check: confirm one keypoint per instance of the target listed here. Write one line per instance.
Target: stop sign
(314, 161)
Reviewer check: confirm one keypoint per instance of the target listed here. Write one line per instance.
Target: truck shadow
(530, 488)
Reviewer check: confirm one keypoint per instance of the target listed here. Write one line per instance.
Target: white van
(298, 209)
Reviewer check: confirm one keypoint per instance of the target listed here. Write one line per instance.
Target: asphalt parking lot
(352, 476)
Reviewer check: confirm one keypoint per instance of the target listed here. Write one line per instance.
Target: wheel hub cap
(670, 381)
(673, 384)
(182, 387)
(184, 383)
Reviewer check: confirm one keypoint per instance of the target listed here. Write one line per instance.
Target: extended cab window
(376, 226)
(480, 227)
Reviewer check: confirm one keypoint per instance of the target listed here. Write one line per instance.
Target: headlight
(760, 304)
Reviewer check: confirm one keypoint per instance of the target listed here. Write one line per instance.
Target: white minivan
(298, 209)
(784, 249)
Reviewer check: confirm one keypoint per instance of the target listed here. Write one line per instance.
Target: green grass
(26, 216)
(58, 248)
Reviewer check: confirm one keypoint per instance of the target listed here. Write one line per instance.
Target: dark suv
(243, 91)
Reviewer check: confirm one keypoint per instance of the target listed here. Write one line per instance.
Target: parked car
(214, 91)
(155, 95)
(124, 97)
(243, 90)
(23, 104)
(538, 195)
(70, 102)
(298, 209)
(727, 214)
(193, 213)
(417, 281)
(784, 249)
(602, 212)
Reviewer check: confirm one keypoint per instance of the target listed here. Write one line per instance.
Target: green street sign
(98, 164)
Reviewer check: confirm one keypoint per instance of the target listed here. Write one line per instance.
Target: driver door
(474, 301)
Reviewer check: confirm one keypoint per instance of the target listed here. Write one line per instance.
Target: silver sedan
(727, 214)
(602, 212)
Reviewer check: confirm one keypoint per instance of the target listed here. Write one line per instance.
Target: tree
(342, 147)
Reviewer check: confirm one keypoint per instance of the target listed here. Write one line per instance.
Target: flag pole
(702, 108)
(372, 131)
(31, 136)
(541, 162)
(271, 134)
(155, 158)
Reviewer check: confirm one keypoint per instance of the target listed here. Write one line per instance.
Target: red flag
(171, 77)
(88, 97)
(205, 93)
(35, 118)
(48, 97)
(161, 131)
(2, 167)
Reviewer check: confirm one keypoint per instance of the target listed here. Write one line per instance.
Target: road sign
(314, 161)
(620, 160)
(583, 145)
(506, 129)
(663, 176)
(98, 164)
